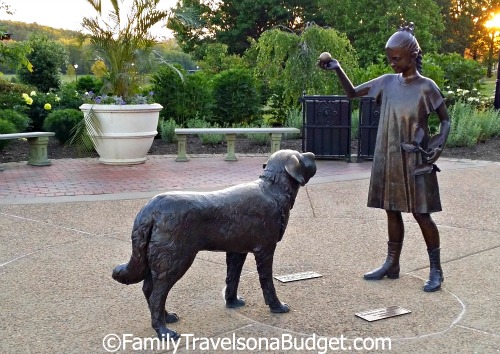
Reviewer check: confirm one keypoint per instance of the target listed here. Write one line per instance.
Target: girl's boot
(391, 266)
(436, 273)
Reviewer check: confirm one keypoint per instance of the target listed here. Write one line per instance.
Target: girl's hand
(330, 65)
(433, 156)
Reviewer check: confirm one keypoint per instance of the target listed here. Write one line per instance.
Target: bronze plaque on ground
(297, 276)
(379, 314)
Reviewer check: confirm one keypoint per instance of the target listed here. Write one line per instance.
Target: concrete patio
(64, 227)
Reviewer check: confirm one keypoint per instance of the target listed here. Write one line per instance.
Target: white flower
(33, 93)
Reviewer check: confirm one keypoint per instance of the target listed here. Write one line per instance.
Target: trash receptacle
(327, 126)
(369, 115)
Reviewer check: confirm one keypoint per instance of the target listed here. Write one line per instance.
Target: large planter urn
(126, 132)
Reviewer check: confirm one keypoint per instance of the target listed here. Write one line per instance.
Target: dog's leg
(234, 262)
(147, 289)
(264, 260)
(165, 271)
(157, 300)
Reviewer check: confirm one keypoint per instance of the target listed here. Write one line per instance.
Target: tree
(6, 7)
(233, 22)
(12, 55)
(464, 22)
(47, 58)
(70, 70)
(216, 59)
(99, 69)
(286, 63)
(369, 24)
(74, 50)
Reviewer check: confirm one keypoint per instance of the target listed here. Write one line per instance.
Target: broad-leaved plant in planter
(122, 39)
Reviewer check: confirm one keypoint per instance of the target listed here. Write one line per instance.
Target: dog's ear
(294, 169)
(308, 166)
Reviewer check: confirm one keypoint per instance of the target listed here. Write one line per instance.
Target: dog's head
(299, 166)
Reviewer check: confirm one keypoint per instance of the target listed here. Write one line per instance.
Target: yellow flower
(25, 96)
(33, 93)
(47, 106)
(29, 100)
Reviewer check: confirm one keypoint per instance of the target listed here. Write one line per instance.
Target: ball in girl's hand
(325, 58)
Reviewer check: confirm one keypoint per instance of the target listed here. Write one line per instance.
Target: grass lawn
(8, 76)
(64, 78)
(488, 88)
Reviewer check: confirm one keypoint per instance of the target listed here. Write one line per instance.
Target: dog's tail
(135, 270)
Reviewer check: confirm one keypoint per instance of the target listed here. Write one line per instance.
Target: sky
(66, 14)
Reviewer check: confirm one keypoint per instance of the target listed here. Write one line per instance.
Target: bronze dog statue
(173, 227)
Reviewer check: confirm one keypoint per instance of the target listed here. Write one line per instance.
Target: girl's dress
(403, 109)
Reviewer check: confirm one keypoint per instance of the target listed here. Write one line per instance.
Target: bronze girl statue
(403, 177)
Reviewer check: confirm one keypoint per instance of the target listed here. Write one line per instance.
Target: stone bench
(230, 134)
(38, 142)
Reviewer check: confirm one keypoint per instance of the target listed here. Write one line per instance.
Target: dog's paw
(280, 308)
(167, 334)
(171, 317)
(235, 303)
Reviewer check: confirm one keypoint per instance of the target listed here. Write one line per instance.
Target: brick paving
(86, 176)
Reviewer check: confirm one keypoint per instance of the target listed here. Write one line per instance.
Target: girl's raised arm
(346, 84)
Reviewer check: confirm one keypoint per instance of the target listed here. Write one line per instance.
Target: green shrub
(294, 120)
(197, 123)
(430, 69)
(6, 127)
(372, 71)
(259, 138)
(182, 97)
(212, 139)
(355, 124)
(465, 129)
(489, 121)
(473, 97)
(10, 94)
(435, 72)
(168, 87)
(274, 111)
(459, 72)
(69, 96)
(206, 138)
(38, 105)
(255, 138)
(198, 98)
(236, 97)
(167, 130)
(20, 121)
(87, 83)
(62, 123)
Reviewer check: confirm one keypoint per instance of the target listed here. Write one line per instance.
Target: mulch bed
(18, 150)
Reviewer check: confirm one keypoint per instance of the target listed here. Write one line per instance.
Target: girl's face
(401, 60)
